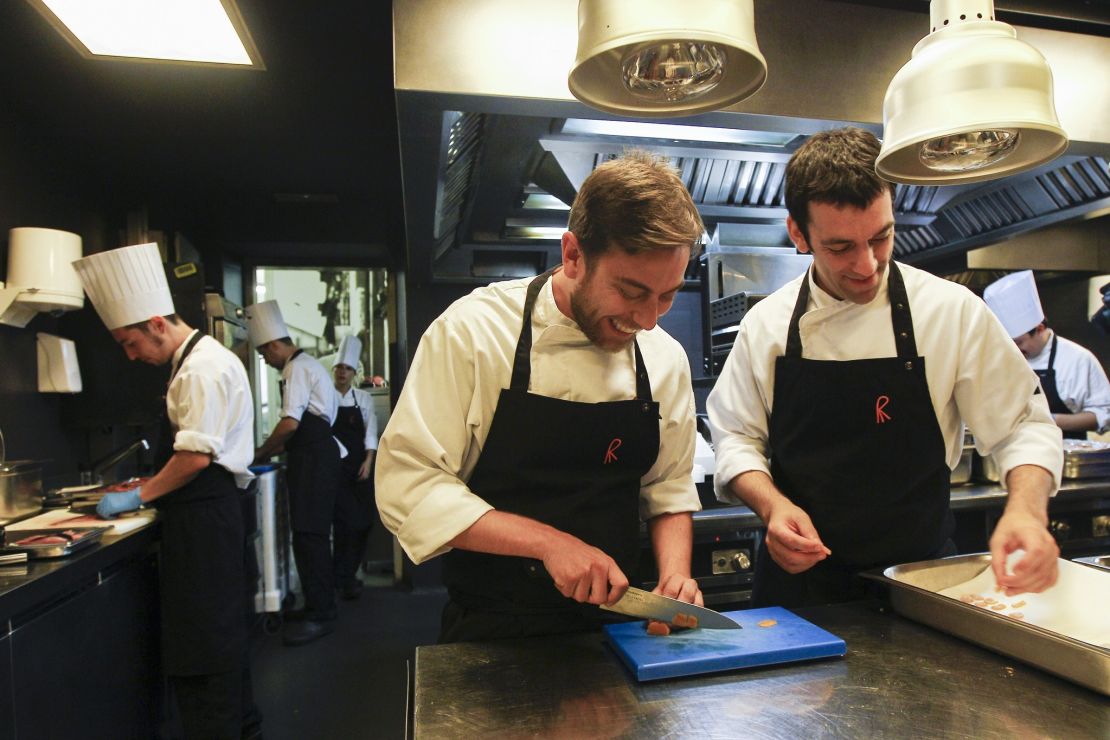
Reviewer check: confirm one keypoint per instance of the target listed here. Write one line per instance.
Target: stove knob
(1060, 530)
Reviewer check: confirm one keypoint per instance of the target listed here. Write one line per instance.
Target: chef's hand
(1037, 568)
(680, 587)
(792, 539)
(117, 503)
(584, 573)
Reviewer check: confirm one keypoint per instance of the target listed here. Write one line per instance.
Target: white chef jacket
(365, 403)
(209, 405)
(308, 387)
(435, 434)
(1080, 379)
(974, 370)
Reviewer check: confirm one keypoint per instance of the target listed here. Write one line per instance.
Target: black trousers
(349, 547)
(211, 705)
(314, 564)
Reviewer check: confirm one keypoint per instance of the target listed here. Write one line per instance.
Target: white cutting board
(1076, 606)
(64, 518)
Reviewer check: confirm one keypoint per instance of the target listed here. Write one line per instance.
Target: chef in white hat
(357, 429)
(207, 446)
(308, 410)
(1073, 380)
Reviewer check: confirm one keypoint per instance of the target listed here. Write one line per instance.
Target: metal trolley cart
(272, 546)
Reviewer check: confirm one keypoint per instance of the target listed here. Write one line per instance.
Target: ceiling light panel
(193, 31)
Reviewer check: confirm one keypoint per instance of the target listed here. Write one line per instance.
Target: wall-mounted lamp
(657, 58)
(41, 277)
(973, 103)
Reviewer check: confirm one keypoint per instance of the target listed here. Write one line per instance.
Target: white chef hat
(1015, 302)
(264, 323)
(349, 353)
(126, 285)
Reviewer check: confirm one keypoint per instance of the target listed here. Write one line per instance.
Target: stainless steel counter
(898, 680)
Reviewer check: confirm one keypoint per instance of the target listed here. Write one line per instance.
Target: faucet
(96, 475)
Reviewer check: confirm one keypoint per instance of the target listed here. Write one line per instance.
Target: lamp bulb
(673, 71)
(968, 151)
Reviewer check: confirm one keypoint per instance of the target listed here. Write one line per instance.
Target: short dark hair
(144, 326)
(835, 167)
(636, 203)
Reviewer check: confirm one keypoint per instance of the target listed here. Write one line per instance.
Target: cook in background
(838, 414)
(308, 409)
(357, 429)
(1072, 378)
(544, 418)
(206, 446)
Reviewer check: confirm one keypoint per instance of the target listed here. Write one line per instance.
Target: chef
(1072, 378)
(839, 413)
(308, 410)
(208, 442)
(357, 429)
(544, 418)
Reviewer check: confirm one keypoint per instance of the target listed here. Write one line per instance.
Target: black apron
(857, 446)
(353, 496)
(202, 566)
(575, 466)
(312, 470)
(1048, 382)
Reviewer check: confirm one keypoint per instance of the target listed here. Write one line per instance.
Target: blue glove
(117, 503)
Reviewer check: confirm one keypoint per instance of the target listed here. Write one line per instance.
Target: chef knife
(646, 605)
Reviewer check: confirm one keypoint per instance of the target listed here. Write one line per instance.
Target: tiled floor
(353, 682)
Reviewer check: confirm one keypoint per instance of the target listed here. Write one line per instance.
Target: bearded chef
(357, 429)
(207, 445)
(839, 413)
(308, 410)
(1073, 380)
(544, 418)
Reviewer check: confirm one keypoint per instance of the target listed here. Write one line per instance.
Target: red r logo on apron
(880, 404)
(611, 453)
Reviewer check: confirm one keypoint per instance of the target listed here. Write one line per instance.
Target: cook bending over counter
(839, 412)
(543, 418)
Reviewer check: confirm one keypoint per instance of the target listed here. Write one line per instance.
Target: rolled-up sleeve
(1000, 399)
(738, 408)
(420, 494)
(668, 487)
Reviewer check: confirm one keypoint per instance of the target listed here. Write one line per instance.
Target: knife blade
(646, 605)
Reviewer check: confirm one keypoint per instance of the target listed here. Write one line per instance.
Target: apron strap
(1052, 353)
(900, 317)
(522, 361)
(193, 343)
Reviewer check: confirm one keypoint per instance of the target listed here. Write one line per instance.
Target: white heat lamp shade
(40, 261)
(658, 58)
(974, 103)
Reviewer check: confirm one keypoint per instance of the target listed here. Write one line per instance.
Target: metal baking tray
(914, 588)
(76, 538)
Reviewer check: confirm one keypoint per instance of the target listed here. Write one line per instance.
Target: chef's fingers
(618, 585)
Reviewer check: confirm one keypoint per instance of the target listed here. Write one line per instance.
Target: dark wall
(37, 188)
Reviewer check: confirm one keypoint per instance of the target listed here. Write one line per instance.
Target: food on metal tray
(126, 485)
(768, 622)
(1016, 615)
(1017, 604)
(659, 629)
(43, 539)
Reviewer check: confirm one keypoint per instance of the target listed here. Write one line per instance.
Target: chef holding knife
(543, 418)
(308, 408)
(839, 413)
(208, 441)
(1071, 376)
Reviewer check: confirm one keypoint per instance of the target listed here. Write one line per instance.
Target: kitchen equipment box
(914, 592)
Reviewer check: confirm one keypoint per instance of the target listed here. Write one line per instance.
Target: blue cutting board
(690, 652)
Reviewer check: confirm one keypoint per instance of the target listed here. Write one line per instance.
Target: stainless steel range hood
(493, 145)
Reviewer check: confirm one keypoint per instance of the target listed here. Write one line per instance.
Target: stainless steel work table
(898, 680)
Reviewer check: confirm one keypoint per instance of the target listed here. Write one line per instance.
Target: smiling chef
(543, 418)
(839, 413)
(207, 444)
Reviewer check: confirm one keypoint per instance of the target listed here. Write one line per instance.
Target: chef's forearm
(502, 533)
(672, 540)
(283, 430)
(1029, 488)
(369, 460)
(1084, 421)
(756, 489)
(179, 470)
